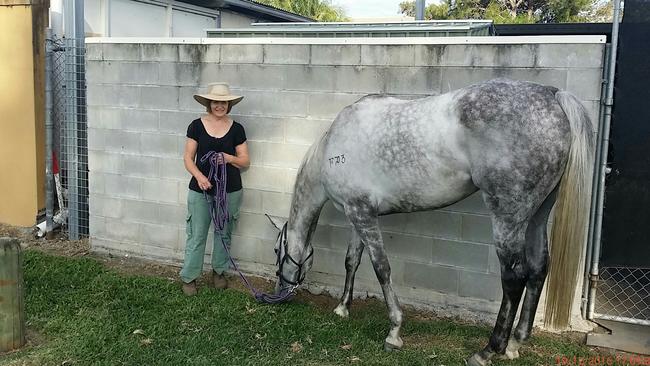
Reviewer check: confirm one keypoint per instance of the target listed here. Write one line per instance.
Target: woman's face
(218, 108)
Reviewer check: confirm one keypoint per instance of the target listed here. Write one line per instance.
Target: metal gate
(69, 134)
(624, 295)
(623, 283)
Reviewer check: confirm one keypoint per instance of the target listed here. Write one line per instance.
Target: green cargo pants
(197, 226)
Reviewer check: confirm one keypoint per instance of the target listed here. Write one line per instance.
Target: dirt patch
(57, 245)
(34, 339)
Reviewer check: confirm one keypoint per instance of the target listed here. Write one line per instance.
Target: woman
(214, 131)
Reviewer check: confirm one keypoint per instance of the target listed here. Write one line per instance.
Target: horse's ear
(276, 223)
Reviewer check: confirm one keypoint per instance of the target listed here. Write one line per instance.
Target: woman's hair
(209, 110)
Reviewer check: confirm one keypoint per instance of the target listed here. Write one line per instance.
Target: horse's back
(409, 155)
(387, 150)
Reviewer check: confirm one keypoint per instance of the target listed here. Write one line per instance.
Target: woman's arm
(191, 146)
(240, 159)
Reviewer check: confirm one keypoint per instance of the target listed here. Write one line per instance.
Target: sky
(369, 8)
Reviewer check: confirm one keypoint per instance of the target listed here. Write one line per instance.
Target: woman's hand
(240, 159)
(204, 183)
(228, 158)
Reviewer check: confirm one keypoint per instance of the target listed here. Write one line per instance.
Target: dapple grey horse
(524, 145)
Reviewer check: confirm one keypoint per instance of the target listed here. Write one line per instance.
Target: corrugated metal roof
(253, 8)
(345, 29)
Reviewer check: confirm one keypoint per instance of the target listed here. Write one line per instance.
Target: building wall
(140, 103)
(115, 18)
(21, 107)
(231, 19)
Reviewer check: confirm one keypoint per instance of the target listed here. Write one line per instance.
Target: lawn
(81, 312)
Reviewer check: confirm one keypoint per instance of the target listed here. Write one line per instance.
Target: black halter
(281, 260)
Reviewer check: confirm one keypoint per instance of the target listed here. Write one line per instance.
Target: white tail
(571, 217)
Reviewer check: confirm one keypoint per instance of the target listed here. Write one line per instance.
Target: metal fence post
(49, 190)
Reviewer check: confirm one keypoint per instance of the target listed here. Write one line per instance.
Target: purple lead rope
(220, 217)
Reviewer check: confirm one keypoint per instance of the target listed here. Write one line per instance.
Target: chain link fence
(70, 135)
(624, 295)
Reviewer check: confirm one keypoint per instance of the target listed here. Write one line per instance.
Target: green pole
(12, 303)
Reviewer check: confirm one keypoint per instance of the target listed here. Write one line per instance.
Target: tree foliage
(517, 11)
(320, 10)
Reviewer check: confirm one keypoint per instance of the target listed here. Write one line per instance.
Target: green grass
(86, 314)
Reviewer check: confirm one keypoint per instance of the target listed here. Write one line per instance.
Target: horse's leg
(537, 261)
(510, 242)
(364, 219)
(352, 260)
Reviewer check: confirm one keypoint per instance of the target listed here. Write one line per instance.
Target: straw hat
(219, 92)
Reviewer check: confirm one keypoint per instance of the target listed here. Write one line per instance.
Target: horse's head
(292, 259)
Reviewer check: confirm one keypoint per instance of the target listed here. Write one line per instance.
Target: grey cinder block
(160, 190)
(570, 55)
(159, 236)
(480, 285)
(159, 97)
(122, 231)
(138, 73)
(141, 166)
(94, 52)
(262, 128)
(414, 248)
(121, 186)
(411, 80)
(241, 53)
(172, 214)
(181, 74)
(335, 54)
(155, 144)
(121, 52)
(437, 224)
(433, 277)
(286, 54)
(305, 131)
(461, 254)
(159, 52)
(140, 211)
(384, 55)
(275, 203)
(477, 228)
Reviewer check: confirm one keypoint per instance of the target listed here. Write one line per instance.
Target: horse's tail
(571, 216)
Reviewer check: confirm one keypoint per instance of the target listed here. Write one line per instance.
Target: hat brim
(205, 99)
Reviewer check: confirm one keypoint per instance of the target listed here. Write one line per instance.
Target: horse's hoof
(477, 360)
(341, 311)
(393, 344)
(512, 351)
(391, 347)
(511, 355)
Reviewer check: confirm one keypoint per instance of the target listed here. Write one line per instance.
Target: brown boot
(189, 289)
(219, 281)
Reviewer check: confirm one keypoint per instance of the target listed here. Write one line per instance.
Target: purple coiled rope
(220, 217)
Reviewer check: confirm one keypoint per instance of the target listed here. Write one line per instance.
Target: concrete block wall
(140, 103)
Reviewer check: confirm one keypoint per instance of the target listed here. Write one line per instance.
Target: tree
(433, 11)
(601, 13)
(320, 10)
(517, 11)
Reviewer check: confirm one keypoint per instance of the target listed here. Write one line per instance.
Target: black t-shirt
(234, 137)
